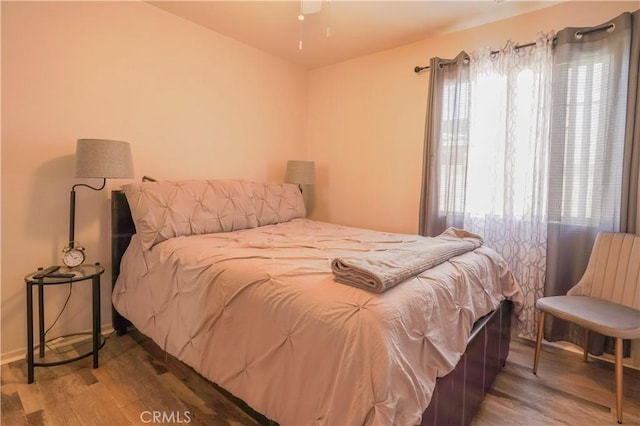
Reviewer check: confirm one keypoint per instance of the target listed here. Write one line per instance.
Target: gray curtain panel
(593, 153)
(630, 218)
(442, 196)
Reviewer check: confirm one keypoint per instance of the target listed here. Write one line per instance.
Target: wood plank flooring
(136, 378)
(566, 391)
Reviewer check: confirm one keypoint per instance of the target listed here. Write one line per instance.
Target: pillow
(277, 202)
(167, 209)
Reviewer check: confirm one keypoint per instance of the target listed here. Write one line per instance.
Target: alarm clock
(73, 255)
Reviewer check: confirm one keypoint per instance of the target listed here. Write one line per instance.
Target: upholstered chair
(605, 300)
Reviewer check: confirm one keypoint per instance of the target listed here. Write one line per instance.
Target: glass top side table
(80, 273)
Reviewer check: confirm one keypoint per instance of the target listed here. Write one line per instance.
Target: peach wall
(192, 103)
(367, 115)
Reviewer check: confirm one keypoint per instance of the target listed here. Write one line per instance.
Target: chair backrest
(613, 272)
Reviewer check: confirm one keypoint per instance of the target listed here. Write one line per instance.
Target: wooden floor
(136, 379)
(566, 391)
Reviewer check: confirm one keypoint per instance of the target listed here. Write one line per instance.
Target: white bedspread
(257, 311)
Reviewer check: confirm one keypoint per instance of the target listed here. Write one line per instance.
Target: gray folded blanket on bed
(379, 271)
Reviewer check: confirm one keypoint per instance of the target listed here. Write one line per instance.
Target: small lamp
(300, 172)
(99, 158)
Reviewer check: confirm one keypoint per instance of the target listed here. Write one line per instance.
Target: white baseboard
(627, 362)
(21, 353)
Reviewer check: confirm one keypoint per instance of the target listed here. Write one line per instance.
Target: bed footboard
(458, 395)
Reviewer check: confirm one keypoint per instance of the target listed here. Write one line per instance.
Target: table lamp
(300, 172)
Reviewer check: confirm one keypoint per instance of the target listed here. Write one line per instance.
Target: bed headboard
(122, 229)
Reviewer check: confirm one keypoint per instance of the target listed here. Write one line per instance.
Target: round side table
(80, 273)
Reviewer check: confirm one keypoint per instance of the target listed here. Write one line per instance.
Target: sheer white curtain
(507, 171)
(486, 157)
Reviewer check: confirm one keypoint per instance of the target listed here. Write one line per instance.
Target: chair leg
(536, 357)
(619, 369)
(586, 345)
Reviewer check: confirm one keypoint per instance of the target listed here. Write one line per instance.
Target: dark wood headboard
(122, 229)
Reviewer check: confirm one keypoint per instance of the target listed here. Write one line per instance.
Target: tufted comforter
(258, 312)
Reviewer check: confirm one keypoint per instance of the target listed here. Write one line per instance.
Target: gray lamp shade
(300, 172)
(102, 158)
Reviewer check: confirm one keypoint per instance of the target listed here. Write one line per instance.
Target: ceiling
(341, 29)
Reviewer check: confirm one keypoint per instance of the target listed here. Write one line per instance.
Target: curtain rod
(578, 35)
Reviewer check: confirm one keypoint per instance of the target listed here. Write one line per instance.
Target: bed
(232, 279)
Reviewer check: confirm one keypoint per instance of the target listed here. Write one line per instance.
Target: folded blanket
(379, 271)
